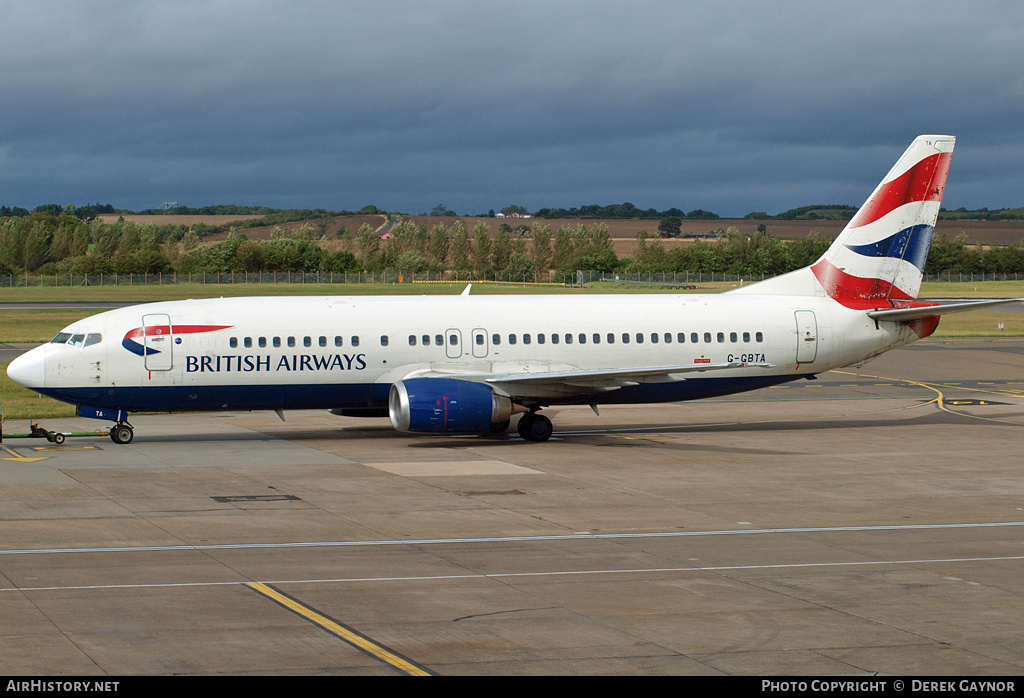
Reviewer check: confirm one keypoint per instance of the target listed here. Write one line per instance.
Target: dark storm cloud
(732, 107)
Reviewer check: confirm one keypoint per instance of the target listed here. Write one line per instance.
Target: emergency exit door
(806, 336)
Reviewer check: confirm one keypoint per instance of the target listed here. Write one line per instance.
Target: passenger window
(541, 338)
(453, 339)
(307, 341)
(639, 337)
(693, 338)
(625, 337)
(354, 341)
(668, 338)
(291, 341)
(759, 337)
(495, 339)
(681, 337)
(568, 338)
(323, 341)
(583, 338)
(707, 338)
(426, 340)
(732, 337)
(554, 338)
(439, 340)
(526, 339)
(746, 337)
(91, 339)
(247, 342)
(654, 337)
(611, 338)
(338, 341)
(412, 340)
(596, 338)
(480, 339)
(277, 341)
(383, 340)
(262, 342)
(721, 337)
(511, 339)
(233, 342)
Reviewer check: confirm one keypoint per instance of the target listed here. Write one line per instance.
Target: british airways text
(245, 363)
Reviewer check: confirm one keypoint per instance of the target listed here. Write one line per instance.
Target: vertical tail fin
(880, 254)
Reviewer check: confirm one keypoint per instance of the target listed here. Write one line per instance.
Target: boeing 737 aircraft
(468, 364)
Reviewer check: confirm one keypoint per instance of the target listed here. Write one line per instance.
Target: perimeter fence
(561, 279)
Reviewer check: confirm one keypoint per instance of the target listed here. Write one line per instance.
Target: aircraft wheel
(535, 427)
(122, 434)
(58, 439)
(501, 427)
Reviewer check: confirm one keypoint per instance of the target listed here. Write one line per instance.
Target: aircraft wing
(567, 383)
(908, 314)
(574, 382)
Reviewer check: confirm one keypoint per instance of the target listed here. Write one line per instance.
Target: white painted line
(511, 575)
(514, 539)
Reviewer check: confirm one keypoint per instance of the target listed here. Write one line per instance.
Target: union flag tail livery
(881, 253)
(472, 364)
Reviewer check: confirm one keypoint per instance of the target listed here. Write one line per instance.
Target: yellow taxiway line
(356, 639)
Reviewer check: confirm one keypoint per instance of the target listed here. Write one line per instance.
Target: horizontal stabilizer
(908, 314)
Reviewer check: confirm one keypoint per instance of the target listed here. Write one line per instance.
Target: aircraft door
(158, 341)
(480, 343)
(806, 336)
(453, 343)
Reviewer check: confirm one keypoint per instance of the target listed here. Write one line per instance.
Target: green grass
(17, 402)
(37, 325)
(981, 323)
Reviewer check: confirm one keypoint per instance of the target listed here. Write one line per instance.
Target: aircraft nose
(29, 369)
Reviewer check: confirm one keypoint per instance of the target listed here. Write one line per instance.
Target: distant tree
(481, 248)
(701, 214)
(540, 248)
(367, 245)
(461, 247)
(250, 256)
(501, 251)
(439, 245)
(562, 252)
(442, 210)
(340, 261)
(670, 226)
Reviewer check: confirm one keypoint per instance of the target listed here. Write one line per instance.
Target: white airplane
(468, 364)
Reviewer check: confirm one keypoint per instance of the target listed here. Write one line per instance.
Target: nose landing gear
(122, 433)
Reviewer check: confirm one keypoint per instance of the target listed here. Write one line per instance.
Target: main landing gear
(122, 433)
(535, 427)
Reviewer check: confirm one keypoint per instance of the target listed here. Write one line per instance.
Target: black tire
(122, 434)
(58, 438)
(535, 427)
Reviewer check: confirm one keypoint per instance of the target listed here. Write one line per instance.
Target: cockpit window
(93, 338)
(77, 340)
(61, 338)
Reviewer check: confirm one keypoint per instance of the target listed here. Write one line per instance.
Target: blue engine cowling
(446, 405)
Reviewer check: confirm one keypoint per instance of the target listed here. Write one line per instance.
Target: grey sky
(728, 106)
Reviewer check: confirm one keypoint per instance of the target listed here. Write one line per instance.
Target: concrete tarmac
(870, 521)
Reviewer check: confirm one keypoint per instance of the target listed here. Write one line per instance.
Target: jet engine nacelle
(447, 405)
